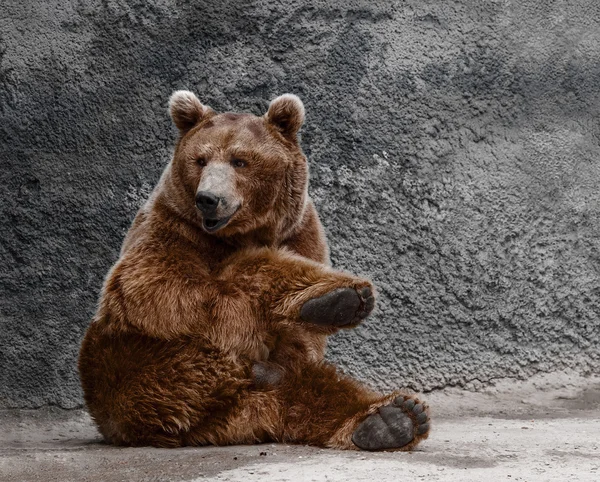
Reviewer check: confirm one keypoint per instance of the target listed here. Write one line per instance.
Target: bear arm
(153, 299)
(164, 301)
(281, 282)
(233, 307)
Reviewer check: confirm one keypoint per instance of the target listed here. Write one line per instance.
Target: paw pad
(392, 426)
(340, 307)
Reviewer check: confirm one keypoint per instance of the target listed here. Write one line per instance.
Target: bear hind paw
(398, 426)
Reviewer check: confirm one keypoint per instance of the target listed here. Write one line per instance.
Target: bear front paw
(341, 307)
(399, 425)
(266, 375)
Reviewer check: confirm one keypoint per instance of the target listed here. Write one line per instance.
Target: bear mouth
(212, 225)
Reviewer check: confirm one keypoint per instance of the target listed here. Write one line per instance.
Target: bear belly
(292, 346)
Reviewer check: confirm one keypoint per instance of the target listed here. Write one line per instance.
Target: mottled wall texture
(454, 155)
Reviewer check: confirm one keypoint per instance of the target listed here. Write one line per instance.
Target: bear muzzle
(209, 205)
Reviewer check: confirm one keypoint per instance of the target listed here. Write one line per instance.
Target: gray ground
(513, 431)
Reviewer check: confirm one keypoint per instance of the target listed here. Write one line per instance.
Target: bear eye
(238, 163)
(201, 161)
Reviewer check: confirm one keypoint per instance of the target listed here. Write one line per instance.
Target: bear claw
(340, 307)
(392, 426)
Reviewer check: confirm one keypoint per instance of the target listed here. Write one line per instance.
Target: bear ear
(186, 110)
(286, 114)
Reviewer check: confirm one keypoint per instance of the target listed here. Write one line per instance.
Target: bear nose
(207, 202)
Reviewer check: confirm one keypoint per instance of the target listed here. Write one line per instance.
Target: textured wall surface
(454, 154)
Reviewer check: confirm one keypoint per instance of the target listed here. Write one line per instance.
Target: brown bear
(212, 325)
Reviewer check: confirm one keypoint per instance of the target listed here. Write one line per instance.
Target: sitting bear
(211, 327)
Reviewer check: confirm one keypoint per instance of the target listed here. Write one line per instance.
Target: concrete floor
(545, 429)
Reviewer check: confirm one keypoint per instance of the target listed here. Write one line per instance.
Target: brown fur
(184, 315)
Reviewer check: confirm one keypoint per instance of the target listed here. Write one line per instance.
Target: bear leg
(323, 408)
(169, 393)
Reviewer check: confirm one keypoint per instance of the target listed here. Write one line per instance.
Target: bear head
(233, 174)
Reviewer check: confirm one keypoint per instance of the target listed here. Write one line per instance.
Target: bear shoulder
(308, 239)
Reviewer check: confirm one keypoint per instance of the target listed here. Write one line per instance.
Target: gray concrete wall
(454, 152)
